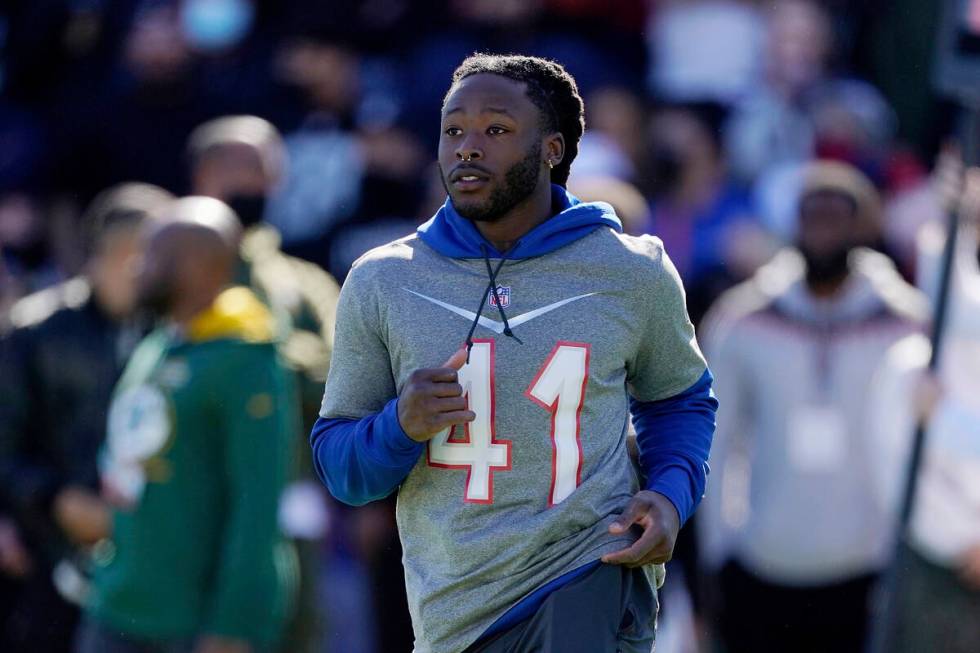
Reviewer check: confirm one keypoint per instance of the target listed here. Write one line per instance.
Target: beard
(826, 268)
(250, 209)
(520, 181)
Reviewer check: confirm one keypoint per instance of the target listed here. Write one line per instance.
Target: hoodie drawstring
(491, 288)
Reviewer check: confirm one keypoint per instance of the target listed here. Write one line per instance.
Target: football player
(523, 522)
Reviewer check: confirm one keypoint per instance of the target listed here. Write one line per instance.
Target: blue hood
(454, 236)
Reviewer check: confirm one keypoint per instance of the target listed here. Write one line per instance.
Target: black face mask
(666, 168)
(250, 209)
(826, 268)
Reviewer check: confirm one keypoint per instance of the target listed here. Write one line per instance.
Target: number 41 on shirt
(558, 387)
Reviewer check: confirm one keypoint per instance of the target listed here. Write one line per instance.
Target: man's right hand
(433, 400)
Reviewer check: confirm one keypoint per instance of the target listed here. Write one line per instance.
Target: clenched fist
(433, 400)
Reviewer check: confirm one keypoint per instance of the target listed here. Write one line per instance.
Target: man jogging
(523, 522)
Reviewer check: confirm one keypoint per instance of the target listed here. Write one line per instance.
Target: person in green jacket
(195, 459)
(241, 160)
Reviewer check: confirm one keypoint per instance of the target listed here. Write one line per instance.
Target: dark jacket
(58, 366)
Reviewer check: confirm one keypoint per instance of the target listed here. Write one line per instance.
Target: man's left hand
(656, 515)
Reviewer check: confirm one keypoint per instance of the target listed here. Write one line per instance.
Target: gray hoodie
(526, 493)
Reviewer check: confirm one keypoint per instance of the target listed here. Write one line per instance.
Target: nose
(469, 151)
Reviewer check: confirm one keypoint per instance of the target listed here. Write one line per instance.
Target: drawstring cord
(491, 288)
(476, 320)
(493, 285)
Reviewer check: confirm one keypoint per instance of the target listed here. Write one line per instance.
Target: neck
(826, 288)
(508, 229)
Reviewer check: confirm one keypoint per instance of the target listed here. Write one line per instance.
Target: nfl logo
(504, 293)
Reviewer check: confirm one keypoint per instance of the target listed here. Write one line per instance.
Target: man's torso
(527, 491)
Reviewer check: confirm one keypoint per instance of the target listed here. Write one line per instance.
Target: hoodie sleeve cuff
(393, 436)
(674, 482)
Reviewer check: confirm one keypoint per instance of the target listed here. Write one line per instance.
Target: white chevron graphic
(494, 325)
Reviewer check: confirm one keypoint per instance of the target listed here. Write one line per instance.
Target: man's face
(236, 175)
(827, 233)
(489, 120)
(797, 43)
(114, 268)
(234, 169)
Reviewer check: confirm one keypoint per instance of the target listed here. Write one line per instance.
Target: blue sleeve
(362, 460)
(674, 438)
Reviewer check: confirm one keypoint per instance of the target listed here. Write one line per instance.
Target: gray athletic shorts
(611, 609)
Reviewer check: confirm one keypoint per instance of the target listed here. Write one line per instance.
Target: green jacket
(196, 453)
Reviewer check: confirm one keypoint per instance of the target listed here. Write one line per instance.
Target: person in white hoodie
(938, 591)
(790, 524)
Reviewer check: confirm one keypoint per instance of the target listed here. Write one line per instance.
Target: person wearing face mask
(240, 161)
(792, 526)
(705, 219)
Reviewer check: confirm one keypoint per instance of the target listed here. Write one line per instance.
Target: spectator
(704, 220)
(353, 180)
(240, 160)
(154, 100)
(610, 147)
(326, 162)
(850, 122)
(599, 51)
(25, 252)
(794, 350)
(771, 124)
(939, 563)
(917, 200)
(57, 369)
(198, 440)
(391, 189)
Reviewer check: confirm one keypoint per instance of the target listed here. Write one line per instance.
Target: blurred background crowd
(316, 122)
